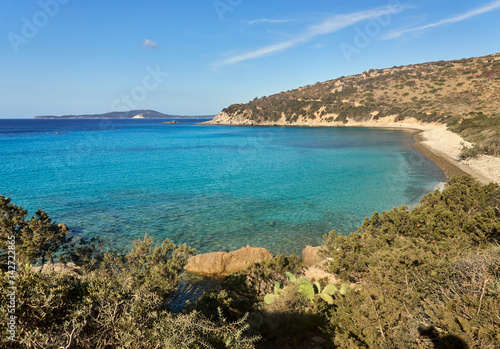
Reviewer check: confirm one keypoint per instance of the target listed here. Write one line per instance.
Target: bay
(211, 187)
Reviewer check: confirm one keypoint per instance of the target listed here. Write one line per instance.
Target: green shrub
(243, 291)
(120, 301)
(37, 240)
(312, 291)
(435, 267)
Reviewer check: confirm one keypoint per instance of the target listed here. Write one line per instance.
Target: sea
(214, 188)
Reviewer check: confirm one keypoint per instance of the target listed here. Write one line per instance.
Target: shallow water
(211, 187)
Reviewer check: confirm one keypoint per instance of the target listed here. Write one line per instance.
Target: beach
(435, 141)
(443, 147)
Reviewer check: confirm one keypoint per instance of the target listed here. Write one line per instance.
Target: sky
(62, 57)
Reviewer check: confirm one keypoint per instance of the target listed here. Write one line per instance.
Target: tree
(36, 240)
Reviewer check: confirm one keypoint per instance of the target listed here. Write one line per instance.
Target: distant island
(132, 114)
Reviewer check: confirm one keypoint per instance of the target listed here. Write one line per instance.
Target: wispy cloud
(458, 18)
(329, 25)
(265, 20)
(149, 44)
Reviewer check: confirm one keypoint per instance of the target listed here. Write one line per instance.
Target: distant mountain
(132, 114)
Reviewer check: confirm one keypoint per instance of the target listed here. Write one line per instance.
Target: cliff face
(429, 93)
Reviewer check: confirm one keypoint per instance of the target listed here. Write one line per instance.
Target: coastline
(443, 147)
(434, 141)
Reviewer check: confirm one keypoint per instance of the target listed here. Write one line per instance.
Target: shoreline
(449, 168)
(434, 141)
(443, 147)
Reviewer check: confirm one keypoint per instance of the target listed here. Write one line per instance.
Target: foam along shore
(443, 147)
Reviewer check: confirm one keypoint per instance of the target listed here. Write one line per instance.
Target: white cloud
(329, 25)
(458, 18)
(265, 20)
(148, 43)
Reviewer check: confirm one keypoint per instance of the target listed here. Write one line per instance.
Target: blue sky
(196, 57)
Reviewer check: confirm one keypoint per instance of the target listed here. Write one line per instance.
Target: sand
(443, 147)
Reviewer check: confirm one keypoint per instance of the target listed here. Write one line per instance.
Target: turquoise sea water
(211, 187)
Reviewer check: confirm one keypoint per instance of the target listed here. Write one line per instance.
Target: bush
(120, 301)
(37, 240)
(434, 269)
(426, 277)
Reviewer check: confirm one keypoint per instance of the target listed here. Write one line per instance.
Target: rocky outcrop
(225, 263)
(63, 227)
(327, 120)
(310, 255)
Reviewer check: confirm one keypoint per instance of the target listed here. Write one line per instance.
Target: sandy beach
(443, 147)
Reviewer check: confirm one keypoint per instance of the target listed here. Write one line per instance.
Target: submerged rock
(225, 263)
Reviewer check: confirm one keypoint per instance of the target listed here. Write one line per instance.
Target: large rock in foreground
(310, 255)
(225, 263)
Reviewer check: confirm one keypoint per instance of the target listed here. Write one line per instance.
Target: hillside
(131, 114)
(464, 94)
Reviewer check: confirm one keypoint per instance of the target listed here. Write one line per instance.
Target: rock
(208, 264)
(316, 273)
(310, 255)
(63, 227)
(243, 257)
(225, 263)
(68, 268)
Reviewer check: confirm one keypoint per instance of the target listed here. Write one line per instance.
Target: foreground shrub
(116, 300)
(426, 276)
(243, 291)
(37, 240)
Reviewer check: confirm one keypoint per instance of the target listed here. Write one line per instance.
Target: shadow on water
(190, 289)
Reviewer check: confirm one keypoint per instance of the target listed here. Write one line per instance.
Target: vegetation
(483, 131)
(431, 274)
(465, 94)
(428, 277)
(116, 301)
(311, 291)
(37, 239)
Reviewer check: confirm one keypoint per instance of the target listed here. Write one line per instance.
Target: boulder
(63, 227)
(243, 257)
(225, 263)
(310, 255)
(208, 264)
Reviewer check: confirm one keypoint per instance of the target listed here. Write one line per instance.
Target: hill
(464, 94)
(131, 114)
